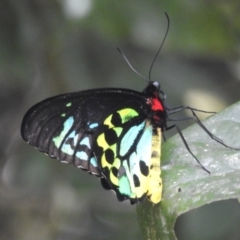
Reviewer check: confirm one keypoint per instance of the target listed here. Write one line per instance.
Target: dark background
(53, 47)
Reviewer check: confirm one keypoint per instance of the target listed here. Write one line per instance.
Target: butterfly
(114, 134)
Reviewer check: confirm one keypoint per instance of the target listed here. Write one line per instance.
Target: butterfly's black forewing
(65, 126)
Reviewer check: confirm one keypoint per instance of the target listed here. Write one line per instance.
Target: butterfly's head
(154, 88)
(158, 89)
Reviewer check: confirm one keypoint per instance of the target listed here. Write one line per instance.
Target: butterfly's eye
(157, 85)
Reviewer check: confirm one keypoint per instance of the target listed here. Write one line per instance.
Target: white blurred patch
(75, 9)
(206, 101)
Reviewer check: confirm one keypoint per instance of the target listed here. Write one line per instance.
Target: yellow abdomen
(154, 193)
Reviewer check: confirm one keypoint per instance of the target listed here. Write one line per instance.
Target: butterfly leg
(215, 138)
(188, 148)
(173, 110)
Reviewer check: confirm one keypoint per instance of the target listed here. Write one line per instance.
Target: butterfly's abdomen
(154, 193)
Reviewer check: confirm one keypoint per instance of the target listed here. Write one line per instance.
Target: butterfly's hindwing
(124, 151)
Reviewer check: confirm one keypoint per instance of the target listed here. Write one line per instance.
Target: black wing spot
(116, 119)
(136, 180)
(109, 154)
(144, 168)
(115, 171)
(111, 137)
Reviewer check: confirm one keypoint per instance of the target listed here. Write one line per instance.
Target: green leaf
(185, 184)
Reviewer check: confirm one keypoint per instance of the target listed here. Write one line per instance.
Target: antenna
(168, 25)
(129, 64)
(150, 70)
